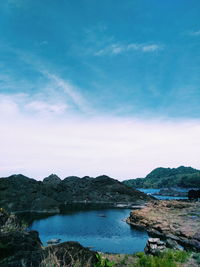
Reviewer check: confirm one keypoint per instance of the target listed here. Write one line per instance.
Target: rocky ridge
(185, 177)
(20, 193)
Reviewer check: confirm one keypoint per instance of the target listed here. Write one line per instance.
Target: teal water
(152, 191)
(106, 234)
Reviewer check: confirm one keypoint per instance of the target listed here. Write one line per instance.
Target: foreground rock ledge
(177, 220)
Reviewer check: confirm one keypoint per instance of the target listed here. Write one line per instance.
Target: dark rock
(197, 236)
(23, 194)
(23, 248)
(12, 242)
(52, 179)
(172, 244)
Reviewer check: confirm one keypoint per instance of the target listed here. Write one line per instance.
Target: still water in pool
(102, 230)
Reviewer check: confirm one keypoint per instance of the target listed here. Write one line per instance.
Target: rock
(154, 240)
(54, 241)
(15, 241)
(3, 217)
(52, 179)
(19, 248)
(154, 246)
(20, 193)
(197, 236)
(174, 220)
(66, 254)
(9, 222)
(172, 244)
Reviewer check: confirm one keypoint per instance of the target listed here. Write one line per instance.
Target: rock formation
(175, 220)
(19, 248)
(20, 193)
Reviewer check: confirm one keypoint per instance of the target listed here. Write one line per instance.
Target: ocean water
(152, 191)
(101, 230)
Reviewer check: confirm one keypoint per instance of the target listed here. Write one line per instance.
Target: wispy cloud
(195, 33)
(54, 95)
(70, 90)
(117, 48)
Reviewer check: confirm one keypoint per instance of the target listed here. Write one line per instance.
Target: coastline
(175, 220)
(84, 205)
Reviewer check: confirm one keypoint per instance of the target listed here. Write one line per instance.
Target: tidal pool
(101, 230)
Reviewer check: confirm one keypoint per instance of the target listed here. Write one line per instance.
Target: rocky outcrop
(52, 179)
(19, 248)
(154, 246)
(175, 220)
(30, 253)
(20, 193)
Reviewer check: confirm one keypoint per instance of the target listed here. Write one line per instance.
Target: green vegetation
(170, 258)
(103, 262)
(167, 177)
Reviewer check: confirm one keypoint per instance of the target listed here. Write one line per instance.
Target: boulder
(154, 246)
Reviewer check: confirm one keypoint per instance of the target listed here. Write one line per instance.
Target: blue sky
(96, 67)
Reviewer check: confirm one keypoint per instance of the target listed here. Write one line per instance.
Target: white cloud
(56, 94)
(116, 48)
(150, 48)
(42, 107)
(37, 145)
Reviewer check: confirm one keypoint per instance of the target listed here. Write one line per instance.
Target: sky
(92, 87)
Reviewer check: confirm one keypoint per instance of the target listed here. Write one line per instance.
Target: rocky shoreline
(73, 206)
(178, 221)
(20, 247)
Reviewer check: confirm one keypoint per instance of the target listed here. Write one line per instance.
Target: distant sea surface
(101, 230)
(152, 191)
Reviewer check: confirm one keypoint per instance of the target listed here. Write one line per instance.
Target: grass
(170, 258)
